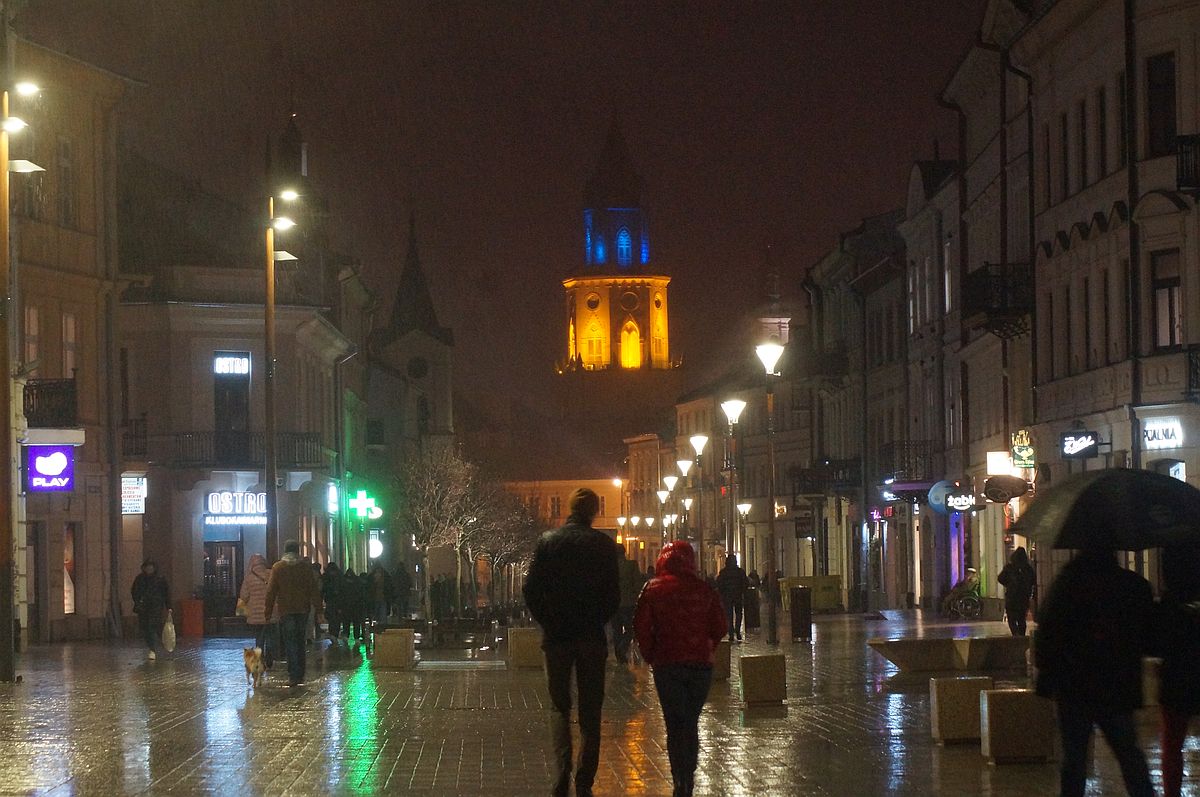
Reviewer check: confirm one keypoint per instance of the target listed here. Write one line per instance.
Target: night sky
(756, 127)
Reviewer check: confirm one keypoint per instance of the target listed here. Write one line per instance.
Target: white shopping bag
(168, 634)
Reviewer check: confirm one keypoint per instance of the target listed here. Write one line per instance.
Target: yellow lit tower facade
(617, 305)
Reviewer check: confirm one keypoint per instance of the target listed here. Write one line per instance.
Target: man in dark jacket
(294, 585)
(731, 586)
(150, 602)
(1017, 578)
(679, 622)
(572, 590)
(1093, 629)
(631, 581)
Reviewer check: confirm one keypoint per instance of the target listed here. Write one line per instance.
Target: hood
(731, 560)
(258, 562)
(291, 558)
(677, 559)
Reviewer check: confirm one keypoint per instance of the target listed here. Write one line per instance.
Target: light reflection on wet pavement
(95, 718)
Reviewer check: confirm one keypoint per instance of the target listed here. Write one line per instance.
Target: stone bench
(954, 708)
(764, 678)
(943, 655)
(394, 648)
(1015, 725)
(525, 648)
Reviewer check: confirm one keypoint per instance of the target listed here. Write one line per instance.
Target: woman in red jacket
(679, 622)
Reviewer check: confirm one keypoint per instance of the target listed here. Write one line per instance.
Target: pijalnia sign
(49, 469)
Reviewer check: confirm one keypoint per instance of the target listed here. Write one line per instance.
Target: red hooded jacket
(679, 618)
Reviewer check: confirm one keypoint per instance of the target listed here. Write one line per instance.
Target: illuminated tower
(616, 306)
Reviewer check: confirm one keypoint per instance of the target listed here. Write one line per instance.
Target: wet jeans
(151, 625)
(733, 617)
(293, 627)
(1075, 722)
(586, 657)
(682, 691)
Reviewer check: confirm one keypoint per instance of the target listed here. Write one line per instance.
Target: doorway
(222, 578)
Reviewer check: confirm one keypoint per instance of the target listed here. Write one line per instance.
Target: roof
(413, 309)
(614, 184)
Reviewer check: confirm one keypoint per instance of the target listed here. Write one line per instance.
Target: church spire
(413, 308)
(614, 183)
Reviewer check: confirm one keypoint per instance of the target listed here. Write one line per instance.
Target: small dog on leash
(254, 665)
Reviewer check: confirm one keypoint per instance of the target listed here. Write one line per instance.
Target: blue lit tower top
(614, 226)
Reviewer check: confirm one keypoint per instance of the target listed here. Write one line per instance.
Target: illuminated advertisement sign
(1023, 454)
(228, 508)
(1079, 445)
(133, 495)
(231, 363)
(1162, 433)
(50, 469)
(960, 501)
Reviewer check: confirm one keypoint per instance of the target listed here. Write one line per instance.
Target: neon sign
(231, 364)
(50, 469)
(1162, 433)
(364, 506)
(228, 508)
(1079, 445)
(960, 502)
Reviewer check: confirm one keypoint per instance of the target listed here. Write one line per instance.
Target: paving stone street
(96, 718)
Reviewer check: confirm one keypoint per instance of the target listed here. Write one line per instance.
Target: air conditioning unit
(1002, 489)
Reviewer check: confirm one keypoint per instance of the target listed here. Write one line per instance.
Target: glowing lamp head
(684, 466)
(282, 223)
(743, 509)
(663, 495)
(14, 124)
(374, 549)
(636, 519)
(622, 520)
(733, 409)
(289, 195)
(617, 482)
(769, 354)
(27, 88)
(687, 504)
(650, 522)
(670, 481)
(699, 441)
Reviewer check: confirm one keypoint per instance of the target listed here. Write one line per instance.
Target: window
(1047, 173)
(375, 432)
(1106, 319)
(1160, 105)
(1087, 324)
(1071, 359)
(600, 249)
(69, 533)
(624, 247)
(32, 338)
(1064, 156)
(69, 344)
(556, 506)
(1122, 113)
(631, 346)
(65, 162)
(947, 260)
(603, 508)
(1101, 132)
(1082, 152)
(1051, 337)
(1168, 315)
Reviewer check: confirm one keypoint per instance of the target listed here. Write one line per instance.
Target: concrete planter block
(525, 648)
(992, 652)
(394, 648)
(918, 655)
(954, 707)
(721, 658)
(1015, 725)
(764, 678)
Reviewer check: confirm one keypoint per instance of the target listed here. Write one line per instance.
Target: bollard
(801, 603)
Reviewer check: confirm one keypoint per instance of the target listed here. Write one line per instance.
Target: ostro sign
(228, 508)
(1162, 433)
(231, 364)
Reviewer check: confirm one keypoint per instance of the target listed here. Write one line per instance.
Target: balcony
(51, 404)
(133, 438)
(830, 362)
(998, 298)
(830, 476)
(245, 450)
(907, 460)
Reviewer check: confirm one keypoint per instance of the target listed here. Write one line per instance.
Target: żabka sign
(228, 508)
(50, 469)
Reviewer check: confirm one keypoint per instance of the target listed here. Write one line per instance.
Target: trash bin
(750, 613)
(191, 618)
(800, 599)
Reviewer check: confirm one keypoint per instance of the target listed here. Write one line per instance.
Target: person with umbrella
(1179, 646)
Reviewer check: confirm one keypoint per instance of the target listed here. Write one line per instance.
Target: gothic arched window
(624, 247)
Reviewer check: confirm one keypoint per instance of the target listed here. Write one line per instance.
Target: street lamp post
(733, 410)
(769, 354)
(663, 495)
(270, 475)
(670, 481)
(743, 510)
(699, 441)
(684, 465)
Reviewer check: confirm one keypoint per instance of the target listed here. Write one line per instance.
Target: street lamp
(281, 223)
(733, 410)
(670, 481)
(743, 510)
(699, 441)
(8, 124)
(769, 354)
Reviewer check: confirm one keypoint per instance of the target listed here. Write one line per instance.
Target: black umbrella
(1117, 509)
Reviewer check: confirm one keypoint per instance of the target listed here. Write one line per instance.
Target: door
(222, 578)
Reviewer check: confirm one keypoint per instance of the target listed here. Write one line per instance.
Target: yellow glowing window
(631, 346)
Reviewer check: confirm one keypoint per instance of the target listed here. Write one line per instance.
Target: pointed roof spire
(413, 308)
(614, 184)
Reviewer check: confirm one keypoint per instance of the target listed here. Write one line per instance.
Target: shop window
(69, 534)
(1168, 315)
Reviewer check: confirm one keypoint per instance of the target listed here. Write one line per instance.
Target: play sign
(50, 469)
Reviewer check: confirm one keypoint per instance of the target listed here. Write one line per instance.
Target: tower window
(624, 247)
(631, 346)
(599, 248)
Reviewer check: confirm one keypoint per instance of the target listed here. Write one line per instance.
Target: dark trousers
(1174, 734)
(266, 638)
(733, 617)
(1075, 722)
(151, 625)
(586, 657)
(333, 617)
(622, 632)
(682, 691)
(1016, 618)
(293, 628)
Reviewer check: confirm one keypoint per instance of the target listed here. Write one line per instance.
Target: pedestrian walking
(331, 586)
(151, 597)
(381, 594)
(366, 604)
(351, 605)
(630, 576)
(253, 596)
(572, 590)
(294, 587)
(1093, 629)
(679, 622)
(1017, 578)
(313, 629)
(1178, 643)
(403, 588)
(731, 586)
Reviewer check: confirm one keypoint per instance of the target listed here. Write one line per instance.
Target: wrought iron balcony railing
(907, 460)
(245, 450)
(133, 438)
(51, 404)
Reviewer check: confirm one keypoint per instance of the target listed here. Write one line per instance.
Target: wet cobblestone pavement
(98, 719)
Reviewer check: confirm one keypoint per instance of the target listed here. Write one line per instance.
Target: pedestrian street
(97, 718)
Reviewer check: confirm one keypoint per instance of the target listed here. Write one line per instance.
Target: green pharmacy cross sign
(364, 506)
